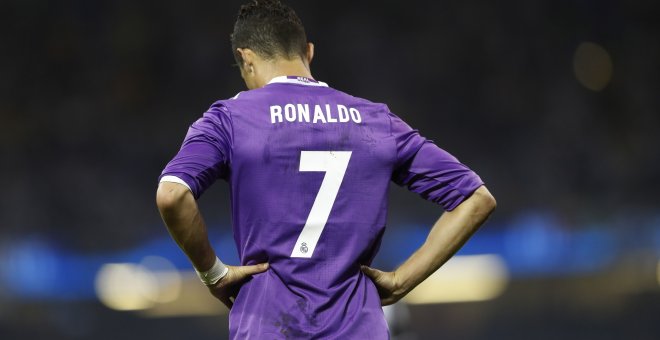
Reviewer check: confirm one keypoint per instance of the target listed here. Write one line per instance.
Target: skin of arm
(185, 224)
(446, 237)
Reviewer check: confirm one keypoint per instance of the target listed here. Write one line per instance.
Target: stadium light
(125, 286)
(129, 286)
(463, 279)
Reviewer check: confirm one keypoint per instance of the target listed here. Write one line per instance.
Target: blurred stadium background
(555, 103)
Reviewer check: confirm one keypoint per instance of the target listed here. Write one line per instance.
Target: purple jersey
(309, 168)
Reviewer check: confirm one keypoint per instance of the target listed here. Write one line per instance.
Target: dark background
(96, 96)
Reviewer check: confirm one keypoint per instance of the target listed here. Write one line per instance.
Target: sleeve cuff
(174, 179)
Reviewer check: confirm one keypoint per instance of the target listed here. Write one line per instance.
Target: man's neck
(283, 67)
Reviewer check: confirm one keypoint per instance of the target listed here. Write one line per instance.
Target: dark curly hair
(269, 28)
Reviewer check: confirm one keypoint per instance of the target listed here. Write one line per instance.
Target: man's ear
(310, 53)
(246, 57)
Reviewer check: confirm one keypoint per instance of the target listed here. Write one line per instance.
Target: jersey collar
(297, 80)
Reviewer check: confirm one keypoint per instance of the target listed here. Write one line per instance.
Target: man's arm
(446, 237)
(185, 224)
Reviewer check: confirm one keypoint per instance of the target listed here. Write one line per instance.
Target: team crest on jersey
(303, 248)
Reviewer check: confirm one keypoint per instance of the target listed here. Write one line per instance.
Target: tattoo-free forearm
(185, 224)
(446, 237)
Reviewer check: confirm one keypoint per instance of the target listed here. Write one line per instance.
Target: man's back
(309, 174)
(303, 156)
(309, 169)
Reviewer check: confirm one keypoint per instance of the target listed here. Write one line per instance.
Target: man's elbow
(485, 200)
(169, 197)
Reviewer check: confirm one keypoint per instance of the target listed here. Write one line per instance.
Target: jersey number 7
(334, 164)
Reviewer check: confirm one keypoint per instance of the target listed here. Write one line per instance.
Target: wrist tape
(213, 275)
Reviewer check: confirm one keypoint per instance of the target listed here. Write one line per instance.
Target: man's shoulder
(243, 98)
(364, 104)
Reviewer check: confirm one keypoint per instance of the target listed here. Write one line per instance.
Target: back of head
(269, 28)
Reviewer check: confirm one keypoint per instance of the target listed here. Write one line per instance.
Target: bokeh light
(128, 286)
(592, 65)
(168, 278)
(463, 279)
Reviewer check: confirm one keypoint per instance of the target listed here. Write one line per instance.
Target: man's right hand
(227, 288)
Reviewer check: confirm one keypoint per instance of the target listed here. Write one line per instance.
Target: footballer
(308, 168)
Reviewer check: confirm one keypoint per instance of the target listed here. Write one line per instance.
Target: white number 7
(334, 164)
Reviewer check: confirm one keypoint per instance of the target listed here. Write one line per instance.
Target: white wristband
(215, 274)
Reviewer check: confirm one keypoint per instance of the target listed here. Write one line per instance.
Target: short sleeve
(428, 170)
(205, 153)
